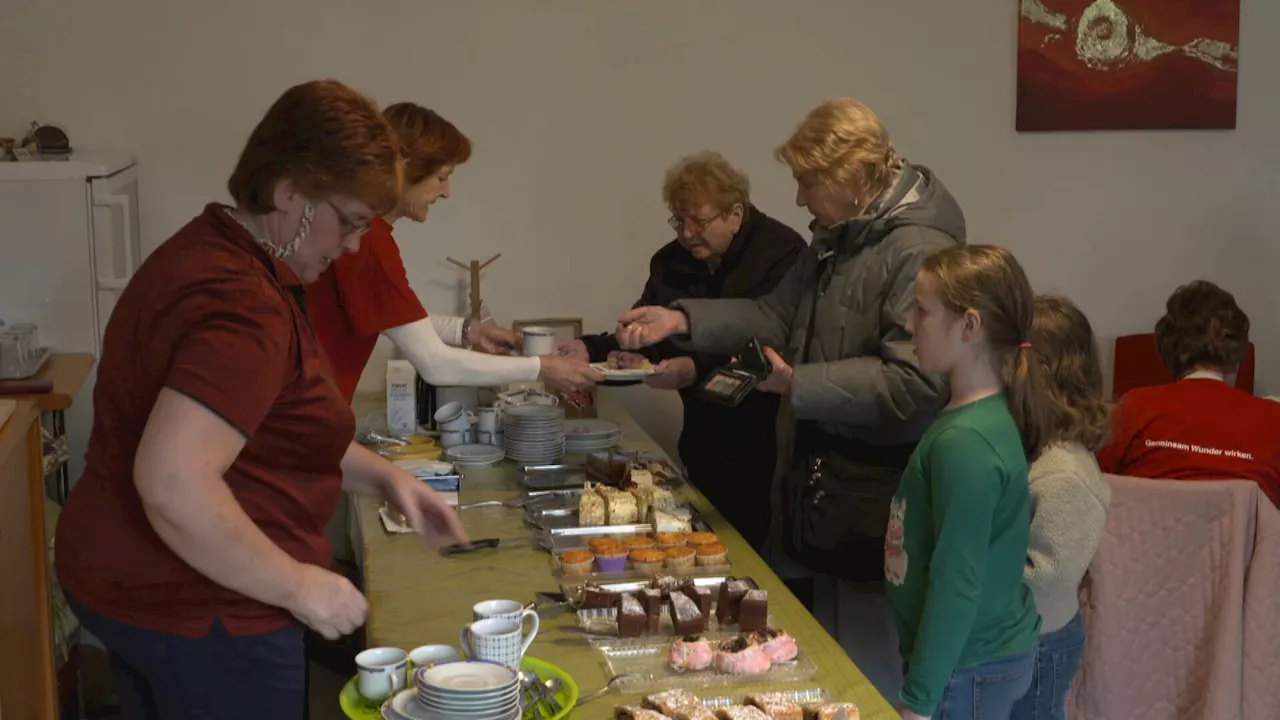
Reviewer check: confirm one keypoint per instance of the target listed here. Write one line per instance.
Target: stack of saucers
(463, 690)
(533, 433)
(473, 455)
(587, 435)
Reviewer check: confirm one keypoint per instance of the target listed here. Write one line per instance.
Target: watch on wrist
(466, 332)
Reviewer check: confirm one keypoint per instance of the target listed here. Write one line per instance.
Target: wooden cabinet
(27, 672)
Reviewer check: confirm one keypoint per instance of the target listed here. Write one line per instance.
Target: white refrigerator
(69, 243)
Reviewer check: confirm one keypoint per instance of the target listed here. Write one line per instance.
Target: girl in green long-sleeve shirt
(957, 539)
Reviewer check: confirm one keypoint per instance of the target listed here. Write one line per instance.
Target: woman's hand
(424, 510)
(779, 381)
(493, 339)
(645, 326)
(327, 602)
(575, 349)
(568, 373)
(673, 374)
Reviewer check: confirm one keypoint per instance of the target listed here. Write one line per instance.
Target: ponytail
(1029, 401)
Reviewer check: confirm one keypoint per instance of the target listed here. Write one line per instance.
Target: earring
(304, 227)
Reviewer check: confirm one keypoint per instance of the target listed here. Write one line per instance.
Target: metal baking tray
(554, 476)
(561, 531)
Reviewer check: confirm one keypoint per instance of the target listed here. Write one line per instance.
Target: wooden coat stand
(475, 266)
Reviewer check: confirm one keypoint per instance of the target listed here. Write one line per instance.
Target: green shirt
(956, 548)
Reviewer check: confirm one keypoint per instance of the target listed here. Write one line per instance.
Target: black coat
(728, 452)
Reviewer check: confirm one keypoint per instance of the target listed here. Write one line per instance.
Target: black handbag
(836, 496)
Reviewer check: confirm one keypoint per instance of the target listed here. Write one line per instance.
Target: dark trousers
(160, 676)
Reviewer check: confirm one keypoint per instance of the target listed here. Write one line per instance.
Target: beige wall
(577, 106)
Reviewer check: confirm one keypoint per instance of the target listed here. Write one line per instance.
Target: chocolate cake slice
(595, 597)
(685, 615)
(632, 619)
(652, 600)
(753, 611)
(702, 597)
(731, 594)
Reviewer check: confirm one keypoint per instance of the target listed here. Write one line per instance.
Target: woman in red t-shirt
(367, 293)
(1199, 427)
(194, 544)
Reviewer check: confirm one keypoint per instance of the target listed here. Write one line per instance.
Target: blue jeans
(216, 677)
(1057, 660)
(987, 691)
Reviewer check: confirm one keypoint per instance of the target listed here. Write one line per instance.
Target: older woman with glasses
(725, 247)
(194, 545)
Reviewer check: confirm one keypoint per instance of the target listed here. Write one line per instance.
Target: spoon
(607, 687)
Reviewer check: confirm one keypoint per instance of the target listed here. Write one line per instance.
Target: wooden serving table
(417, 597)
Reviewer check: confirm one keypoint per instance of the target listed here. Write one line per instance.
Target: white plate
(406, 705)
(467, 677)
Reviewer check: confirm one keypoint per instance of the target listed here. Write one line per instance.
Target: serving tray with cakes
(788, 704)
(638, 555)
(609, 467)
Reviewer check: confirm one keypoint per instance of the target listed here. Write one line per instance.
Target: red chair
(1137, 364)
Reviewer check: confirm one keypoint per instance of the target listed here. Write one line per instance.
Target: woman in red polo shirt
(194, 546)
(1199, 427)
(367, 293)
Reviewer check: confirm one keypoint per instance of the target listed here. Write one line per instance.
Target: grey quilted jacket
(861, 379)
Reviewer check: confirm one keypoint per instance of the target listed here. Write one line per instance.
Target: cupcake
(576, 562)
(680, 557)
(613, 559)
(637, 542)
(647, 560)
(602, 543)
(670, 540)
(712, 555)
(701, 538)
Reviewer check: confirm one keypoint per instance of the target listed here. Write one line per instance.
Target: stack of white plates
(587, 435)
(534, 433)
(473, 455)
(463, 690)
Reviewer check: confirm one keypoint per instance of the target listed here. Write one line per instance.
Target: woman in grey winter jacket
(835, 327)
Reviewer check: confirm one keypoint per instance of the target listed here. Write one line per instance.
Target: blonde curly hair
(705, 178)
(841, 141)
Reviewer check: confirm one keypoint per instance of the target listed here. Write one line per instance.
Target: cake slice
(595, 597)
(776, 706)
(651, 598)
(702, 597)
(727, 604)
(668, 522)
(670, 701)
(632, 620)
(685, 615)
(620, 508)
(742, 712)
(632, 712)
(753, 611)
(590, 507)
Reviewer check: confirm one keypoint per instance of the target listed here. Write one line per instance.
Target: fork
(607, 687)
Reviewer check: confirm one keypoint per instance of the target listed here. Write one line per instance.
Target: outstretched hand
(645, 326)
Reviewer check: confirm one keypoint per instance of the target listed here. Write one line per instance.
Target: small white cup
(487, 419)
(502, 610)
(449, 412)
(427, 656)
(497, 640)
(485, 438)
(539, 340)
(450, 438)
(381, 672)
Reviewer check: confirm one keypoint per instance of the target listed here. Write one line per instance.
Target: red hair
(429, 141)
(326, 139)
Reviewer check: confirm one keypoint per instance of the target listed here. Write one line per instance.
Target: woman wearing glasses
(366, 294)
(724, 248)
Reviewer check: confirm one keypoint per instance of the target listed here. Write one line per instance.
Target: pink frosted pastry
(691, 653)
(740, 656)
(777, 644)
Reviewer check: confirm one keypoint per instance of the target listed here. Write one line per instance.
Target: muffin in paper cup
(613, 560)
(680, 557)
(575, 562)
(669, 540)
(648, 560)
(713, 555)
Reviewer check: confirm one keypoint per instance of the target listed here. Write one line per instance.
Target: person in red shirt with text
(194, 546)
(367, 293)
(1200, 427)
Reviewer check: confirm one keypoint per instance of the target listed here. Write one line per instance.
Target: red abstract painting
(1127, 64)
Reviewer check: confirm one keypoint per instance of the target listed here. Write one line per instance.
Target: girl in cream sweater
(1069, 499)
